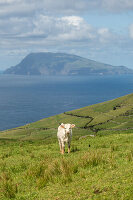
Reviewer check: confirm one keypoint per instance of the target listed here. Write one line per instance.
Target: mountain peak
(47, 63)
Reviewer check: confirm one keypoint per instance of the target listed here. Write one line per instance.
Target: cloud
(117, 6)
(69, 7)
(55, 32)
(31, 22)
(48, 25)
(44, 29)
(105, 36)
(131, 31)
(66, 28)
(70, 28)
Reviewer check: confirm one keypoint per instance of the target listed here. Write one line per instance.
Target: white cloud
(105, 35)
(73, 20)
(70, 28)
(52, 31)
(57, 25)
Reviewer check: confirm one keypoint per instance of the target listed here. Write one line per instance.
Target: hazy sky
(101, 30)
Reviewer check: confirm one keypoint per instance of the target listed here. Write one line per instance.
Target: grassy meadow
(99, 167)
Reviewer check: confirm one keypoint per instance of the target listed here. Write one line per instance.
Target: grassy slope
(98, 168)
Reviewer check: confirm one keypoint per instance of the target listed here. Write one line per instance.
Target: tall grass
(97, 171)
(130, 155)
(62, 169)
(92, 159)
(7, 186)
(55, 170)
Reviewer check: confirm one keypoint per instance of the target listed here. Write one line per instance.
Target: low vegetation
(100, 165)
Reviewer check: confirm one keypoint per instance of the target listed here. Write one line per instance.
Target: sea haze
(25, 99)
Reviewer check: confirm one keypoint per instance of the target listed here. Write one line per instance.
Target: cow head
(67, 127)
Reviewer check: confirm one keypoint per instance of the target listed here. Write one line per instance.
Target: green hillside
(100, 165)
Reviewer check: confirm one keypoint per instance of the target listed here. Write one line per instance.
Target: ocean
(26, 99)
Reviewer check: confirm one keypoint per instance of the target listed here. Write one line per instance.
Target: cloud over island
(66, 26)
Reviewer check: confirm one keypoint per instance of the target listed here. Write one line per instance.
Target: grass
(99, 167)
(102, 170)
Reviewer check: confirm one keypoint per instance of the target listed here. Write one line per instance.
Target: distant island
(63, 64)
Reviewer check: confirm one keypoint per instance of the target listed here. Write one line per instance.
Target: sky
(101, 30)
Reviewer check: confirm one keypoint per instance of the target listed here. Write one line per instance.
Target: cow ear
(62, 125)
(72, 125)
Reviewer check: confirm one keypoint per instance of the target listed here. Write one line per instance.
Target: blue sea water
(25, 99)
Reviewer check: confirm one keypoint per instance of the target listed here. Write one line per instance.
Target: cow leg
(60, 145)
(63, 148)
(68, 147)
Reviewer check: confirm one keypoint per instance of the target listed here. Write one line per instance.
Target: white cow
(64, 135)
